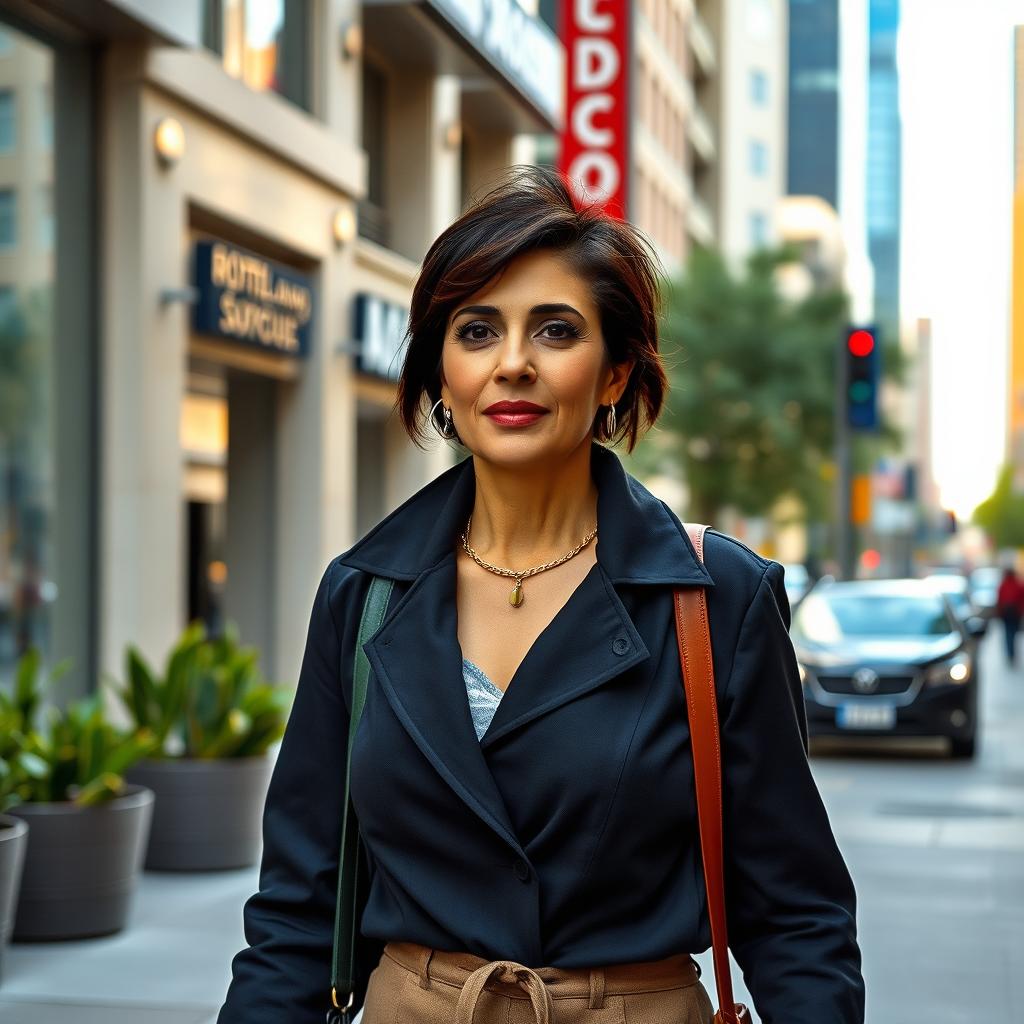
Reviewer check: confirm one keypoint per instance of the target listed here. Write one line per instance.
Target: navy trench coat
(567, 835)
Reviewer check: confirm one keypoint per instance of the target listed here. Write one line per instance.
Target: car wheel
(962, 749)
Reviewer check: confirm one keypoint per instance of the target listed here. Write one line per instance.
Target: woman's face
(531, 335)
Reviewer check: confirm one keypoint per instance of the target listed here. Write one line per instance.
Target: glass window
(373, 217)
(758, 229)
(758, 158)
(8, 127)
(46, 116)
(46, 216)
(262, 42)
(29, 511)
(8, 217)
(758, 88)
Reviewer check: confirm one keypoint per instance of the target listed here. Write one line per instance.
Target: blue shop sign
(246, 298)
(379, 329)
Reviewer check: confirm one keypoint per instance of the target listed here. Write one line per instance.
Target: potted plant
(87, 827)
(215, 718)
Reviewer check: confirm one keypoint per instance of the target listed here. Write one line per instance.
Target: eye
(566, 330)
(467, 332)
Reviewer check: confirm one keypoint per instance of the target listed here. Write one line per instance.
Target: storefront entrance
(228, 441)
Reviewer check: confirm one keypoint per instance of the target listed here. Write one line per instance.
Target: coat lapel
(417, 659)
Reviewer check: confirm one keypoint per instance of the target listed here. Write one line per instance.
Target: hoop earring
(610, 422)
(448, 432)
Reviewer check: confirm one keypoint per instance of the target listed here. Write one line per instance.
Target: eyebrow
(543, 308)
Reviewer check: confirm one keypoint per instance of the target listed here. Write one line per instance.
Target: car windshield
(829, 618)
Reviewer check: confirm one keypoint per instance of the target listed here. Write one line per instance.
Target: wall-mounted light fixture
(453, 134)
(343, 225)
(169, 141)
(351, 40)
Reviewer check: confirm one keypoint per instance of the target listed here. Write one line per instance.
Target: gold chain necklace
(517, 597)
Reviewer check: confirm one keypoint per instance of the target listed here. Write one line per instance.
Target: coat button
(522, 870)
(620, 645)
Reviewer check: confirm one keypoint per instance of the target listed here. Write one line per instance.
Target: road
(936, 850)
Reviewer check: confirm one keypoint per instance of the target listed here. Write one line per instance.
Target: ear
(619, 378)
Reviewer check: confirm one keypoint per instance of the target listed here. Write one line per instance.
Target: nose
(514, 360)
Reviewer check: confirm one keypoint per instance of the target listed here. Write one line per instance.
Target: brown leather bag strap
(693, 633)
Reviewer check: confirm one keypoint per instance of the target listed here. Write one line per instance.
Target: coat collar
(639, 538)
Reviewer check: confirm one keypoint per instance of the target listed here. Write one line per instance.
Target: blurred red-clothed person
(1010, 608)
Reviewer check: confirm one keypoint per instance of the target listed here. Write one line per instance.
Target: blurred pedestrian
(1010, 608)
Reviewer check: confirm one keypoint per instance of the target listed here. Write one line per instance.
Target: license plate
(866, 716)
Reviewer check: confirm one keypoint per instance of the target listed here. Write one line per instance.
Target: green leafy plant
(211, 701)
(72, 754)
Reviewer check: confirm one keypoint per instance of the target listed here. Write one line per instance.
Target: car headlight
(957, 669)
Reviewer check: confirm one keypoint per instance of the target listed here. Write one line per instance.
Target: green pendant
(517, 597)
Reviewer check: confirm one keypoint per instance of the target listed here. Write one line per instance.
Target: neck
(523, 517)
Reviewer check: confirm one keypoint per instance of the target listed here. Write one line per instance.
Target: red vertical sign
(594, 153)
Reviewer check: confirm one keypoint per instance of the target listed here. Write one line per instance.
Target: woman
(1009, 607)
(521, 772)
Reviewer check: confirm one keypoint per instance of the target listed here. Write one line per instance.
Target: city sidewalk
(169, 965)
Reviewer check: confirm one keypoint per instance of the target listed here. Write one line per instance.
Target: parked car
(885, 658)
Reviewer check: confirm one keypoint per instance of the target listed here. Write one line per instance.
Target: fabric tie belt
(511, 972)
(540, 985)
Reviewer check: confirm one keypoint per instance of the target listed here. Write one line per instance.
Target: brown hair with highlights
(534, 208)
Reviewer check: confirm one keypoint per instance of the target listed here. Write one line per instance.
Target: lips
(513, 408)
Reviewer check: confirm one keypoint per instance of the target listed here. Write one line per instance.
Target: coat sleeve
(791, 903)
(285, 972)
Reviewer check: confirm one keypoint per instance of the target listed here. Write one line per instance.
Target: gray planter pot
(82, 866)
(208, 814)
(13, 842)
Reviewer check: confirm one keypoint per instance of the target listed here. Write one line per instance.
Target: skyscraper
(812, 164)
(884, 166)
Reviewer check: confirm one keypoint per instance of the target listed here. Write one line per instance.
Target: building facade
(828, 125)
(747, 103)
(223, 207)
(1015, 395)
(672, 143)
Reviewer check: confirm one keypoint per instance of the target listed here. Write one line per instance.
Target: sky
(955, 62)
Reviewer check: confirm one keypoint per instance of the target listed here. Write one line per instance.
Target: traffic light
(862, 355)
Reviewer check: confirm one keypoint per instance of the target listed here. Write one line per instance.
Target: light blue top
(484, 696)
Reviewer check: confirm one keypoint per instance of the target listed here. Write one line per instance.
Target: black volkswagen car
(884, 658)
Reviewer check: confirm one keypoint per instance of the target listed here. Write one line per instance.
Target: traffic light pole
(844, 465)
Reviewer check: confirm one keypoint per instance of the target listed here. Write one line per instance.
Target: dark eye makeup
(569, 331)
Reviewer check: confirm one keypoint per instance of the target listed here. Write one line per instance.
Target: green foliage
(74, 754)
(750, 416)
(211, 700)
(1001, 515)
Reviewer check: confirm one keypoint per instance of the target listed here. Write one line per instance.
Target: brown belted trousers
(414, 984)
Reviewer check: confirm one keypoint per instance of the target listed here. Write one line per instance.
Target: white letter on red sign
(596, 64)
(582, 124)
(589, 20)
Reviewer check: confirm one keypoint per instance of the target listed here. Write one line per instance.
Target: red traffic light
(861, 343)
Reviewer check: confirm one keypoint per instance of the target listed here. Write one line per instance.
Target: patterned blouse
(484, 696)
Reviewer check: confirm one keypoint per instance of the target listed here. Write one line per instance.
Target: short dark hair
(531, 208)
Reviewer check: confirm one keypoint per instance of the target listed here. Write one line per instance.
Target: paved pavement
(934, 846)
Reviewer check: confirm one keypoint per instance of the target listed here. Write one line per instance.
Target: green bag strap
(343, 981)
